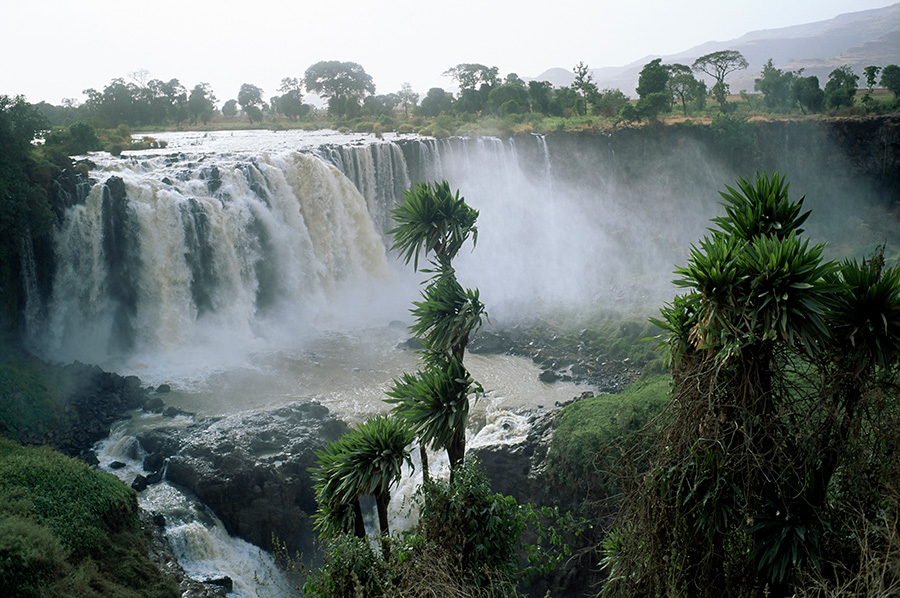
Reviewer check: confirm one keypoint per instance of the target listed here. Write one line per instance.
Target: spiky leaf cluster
(753, 280)
(432, 219)
(448, 314)
(435, 400)
(864, 316)
(366, 460)
(761, 208)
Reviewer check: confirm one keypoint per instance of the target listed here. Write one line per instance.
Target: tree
(610, 102)
(473, 75)
(508, 99)
(686, 88)
(890, 79)
(541, 94)
(435, 400)
(841, 87)
(718, 65)
(808, 93)
(585, 87)
(408, 98)
(201, 104)
(24, 208)
(783, 367)
(230, 109)
(291, 103)
(436, 102)
(871, 73)
(367, 460)
(251, 101)
(344, 84)
(654, 97)
(777, 87)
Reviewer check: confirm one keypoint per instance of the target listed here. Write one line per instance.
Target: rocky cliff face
(252, 469)
(94, 401)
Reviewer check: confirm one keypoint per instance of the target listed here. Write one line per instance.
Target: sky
(55, 49)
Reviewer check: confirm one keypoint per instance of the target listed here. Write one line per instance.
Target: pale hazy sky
(54, 49)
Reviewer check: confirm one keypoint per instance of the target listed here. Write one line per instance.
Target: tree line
(350, 92)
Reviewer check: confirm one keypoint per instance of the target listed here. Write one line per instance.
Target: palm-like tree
(432, 219)
(367, 460)
(435, 401)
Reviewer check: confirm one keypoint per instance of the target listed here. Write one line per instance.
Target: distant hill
(857, 39)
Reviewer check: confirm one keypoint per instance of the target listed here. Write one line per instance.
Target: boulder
(252, 469)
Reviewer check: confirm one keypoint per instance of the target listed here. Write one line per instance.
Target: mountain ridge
(857, 39)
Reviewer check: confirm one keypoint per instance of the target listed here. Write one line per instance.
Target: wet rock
(222, 582)
(95, 400)
(252, 469)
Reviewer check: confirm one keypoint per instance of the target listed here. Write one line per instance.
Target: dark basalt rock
(96, 399)
(252, 469)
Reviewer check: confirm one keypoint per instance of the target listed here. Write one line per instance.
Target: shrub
(68, 531)
(480, 529)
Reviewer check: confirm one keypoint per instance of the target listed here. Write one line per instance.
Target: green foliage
(479, 528)
(784, 542)
(652, 78)
(351, 568)
(57, 487)
(24, 208)
(808, 93)
(31, 557)
(584, 428)
(432, 219)
(777, 87)
(890, 79)
(434, 401)
(864, 315)
(840, 90)
(784, 370)
(718, 65)
(344, 84)
(366, 460)
(448, 314)
(69, 531)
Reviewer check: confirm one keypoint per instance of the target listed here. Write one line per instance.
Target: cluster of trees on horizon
(350, 93)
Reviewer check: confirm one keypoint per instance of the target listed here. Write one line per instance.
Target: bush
(351, 568)
(68, 531)
(480, 529)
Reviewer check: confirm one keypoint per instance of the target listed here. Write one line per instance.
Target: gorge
(249, 274)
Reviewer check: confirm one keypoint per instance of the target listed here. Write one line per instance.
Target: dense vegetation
(773, 469)
(485, 101)
(69, 531)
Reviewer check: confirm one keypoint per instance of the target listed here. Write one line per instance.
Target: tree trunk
(456, 450)
(381, 501)
(359, 526)
(423, 454)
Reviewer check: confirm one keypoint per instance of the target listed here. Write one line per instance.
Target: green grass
(586, 427)
(67, 530)
(32, 397)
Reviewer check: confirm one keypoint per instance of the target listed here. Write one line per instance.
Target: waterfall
(378, 171)
(32, 310)
(184, 251)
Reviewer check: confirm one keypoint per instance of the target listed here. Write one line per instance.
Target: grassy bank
(69, 531)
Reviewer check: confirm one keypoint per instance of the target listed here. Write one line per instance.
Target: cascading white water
(198, 256)
(198, 538)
